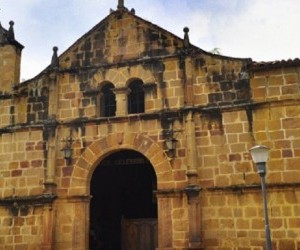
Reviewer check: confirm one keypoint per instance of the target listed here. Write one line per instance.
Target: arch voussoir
(129, 138)
(159, 157)
(94, 153)
(89, 156)
(145, 145)
(161, 167)
(82, 163)
(152, 150)
(98, 146)
(80, 173)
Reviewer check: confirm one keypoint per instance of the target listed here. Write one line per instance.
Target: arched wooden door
(123, 209)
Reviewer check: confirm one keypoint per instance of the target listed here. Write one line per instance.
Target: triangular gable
(121, 36)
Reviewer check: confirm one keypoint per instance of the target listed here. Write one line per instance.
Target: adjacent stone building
(135, 139)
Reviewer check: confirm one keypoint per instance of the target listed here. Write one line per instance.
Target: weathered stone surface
(215, 107)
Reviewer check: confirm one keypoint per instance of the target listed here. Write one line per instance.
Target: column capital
(192, 191)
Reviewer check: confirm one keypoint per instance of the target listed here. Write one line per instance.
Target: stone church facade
(133, 138)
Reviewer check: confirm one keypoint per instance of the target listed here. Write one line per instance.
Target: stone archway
(123, 207)
(86, 164)
(84, 167)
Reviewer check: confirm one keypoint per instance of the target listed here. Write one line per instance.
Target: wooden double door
(139, 234)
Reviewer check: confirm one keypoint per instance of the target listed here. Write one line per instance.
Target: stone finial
(121, 4)
(11, 33)
(132, 11)
(186, 40)
(54, 60)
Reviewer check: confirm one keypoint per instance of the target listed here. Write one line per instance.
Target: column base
(47, 247)
(195, 246)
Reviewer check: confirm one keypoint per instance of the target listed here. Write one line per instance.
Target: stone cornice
(20, 205)
(161, 114)
(243, 187)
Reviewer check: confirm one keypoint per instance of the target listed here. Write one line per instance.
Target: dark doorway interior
(122, 188)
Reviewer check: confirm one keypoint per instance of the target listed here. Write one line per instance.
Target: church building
(135, 139)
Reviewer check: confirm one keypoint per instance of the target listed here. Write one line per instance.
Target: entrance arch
(97, 151)
(85, 165)
(123, 209)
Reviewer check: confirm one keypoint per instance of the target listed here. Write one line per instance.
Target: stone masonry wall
(5, 112)
(220, 81)
(21, 175)
(233, 109)
(234, 220)
(276, 84)
(9, 68)
(232, 213)
(22, 164)
(119, 38)
(23, 232)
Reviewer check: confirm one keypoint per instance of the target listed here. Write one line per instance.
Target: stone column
(121, 100)
(195, 237)
(48, 228)
(80, 237)
(165, 229)
(193, 189)
(191, 149)
(50, 133)
(189, 91)
(186, 65)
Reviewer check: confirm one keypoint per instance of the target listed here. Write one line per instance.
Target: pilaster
(164, 206)
(50, 133)
(193, 189)
(195, 237)
(48, 228)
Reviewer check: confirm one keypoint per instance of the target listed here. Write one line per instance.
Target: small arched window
(136, 98)
(107, 101)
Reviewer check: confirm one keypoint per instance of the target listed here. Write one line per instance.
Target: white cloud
(265, 30)
(261, 29)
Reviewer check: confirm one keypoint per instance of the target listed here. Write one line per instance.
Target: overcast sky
(264, 30)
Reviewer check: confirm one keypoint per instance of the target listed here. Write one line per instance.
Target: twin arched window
(136, 99)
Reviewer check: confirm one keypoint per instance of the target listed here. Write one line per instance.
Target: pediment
(120, 37)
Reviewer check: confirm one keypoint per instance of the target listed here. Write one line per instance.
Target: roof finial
(132, 11)
(54, 60)
(186, 40)
(11, 33)
(121, 4)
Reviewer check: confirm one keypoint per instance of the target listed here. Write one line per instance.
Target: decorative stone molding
(192, 190)
(98, 150)
(19, 206)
